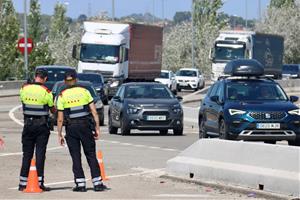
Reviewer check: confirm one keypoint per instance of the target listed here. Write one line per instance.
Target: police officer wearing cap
(37, 100)
(75, 104)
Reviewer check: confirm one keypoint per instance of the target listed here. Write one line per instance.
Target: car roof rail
(268, 77)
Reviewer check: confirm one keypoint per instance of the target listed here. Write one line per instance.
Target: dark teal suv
(245, 105)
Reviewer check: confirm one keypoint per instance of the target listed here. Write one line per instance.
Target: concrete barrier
(271, 168)
(9, 85)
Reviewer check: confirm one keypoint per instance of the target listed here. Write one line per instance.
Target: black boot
(21, 188)
(79, 189)
(100, 188)
(44, 188)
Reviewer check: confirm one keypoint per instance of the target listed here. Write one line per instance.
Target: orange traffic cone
(33, 182)
(101, 165)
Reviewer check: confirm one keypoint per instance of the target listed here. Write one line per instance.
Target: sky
(126, 7)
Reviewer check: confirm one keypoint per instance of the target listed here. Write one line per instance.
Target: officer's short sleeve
(89, 97)
(50, 99)
(60, 103)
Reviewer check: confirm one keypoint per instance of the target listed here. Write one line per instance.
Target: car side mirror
(74, 52)
(179, 98)
(117, 98)
(294, 98)
(216, 99)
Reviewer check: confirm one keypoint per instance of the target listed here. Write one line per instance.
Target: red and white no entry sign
(21, 45)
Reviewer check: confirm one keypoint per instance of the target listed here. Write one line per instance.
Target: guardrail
(10, 85)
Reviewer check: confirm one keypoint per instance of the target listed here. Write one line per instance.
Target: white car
(168, 78)
(189, 78)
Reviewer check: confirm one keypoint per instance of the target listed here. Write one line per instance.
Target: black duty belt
(77, 121)
(35, 120)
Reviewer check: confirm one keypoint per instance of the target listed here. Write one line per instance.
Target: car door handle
(204, 104)
(210, 106)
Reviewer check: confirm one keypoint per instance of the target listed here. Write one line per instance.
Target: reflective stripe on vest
(36, 110)
(78, 111)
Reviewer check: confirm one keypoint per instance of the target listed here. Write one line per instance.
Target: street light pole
(193, 36)
(246, 13)
(25, 41)
(113, 10)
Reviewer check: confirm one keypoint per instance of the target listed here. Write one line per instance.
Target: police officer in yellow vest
(37, 100)
(75, 104)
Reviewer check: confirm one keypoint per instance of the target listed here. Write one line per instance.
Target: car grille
(267, 115)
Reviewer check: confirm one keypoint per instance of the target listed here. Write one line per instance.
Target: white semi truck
(120, 52)
(230, 45)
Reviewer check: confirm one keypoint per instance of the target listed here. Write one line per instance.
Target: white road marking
(12, 116)
(193, 120)
(21, 153)
(110, 177)
(183, 195)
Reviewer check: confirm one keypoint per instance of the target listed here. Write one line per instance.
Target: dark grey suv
(145, 106)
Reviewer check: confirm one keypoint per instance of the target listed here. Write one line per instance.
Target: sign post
(25, 36)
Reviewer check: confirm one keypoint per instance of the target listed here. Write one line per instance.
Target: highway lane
(134, 164)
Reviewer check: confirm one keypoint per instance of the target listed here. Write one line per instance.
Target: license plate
(268, 126)
(183, 83)
(156, 117)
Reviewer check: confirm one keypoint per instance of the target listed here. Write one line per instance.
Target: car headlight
(99, 104)
(176, 108)
(236, 112)
(98, 89)
(133, 109)
(115, 84)
(294, 112)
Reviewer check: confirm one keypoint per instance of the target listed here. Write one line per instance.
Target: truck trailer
(120, 52)
(265, 48)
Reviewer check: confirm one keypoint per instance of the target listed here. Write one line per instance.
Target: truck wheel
(178, 131)
(178, 88)
(223, 132)
(111, 128)
(124, 128)
(163, 132)
(202, 129)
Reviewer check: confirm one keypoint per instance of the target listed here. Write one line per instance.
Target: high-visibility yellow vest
(74, 102)
(36, 99)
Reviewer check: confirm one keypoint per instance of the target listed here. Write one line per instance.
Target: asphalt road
(133, 163)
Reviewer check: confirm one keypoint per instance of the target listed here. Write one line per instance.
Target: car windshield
(55, 75)
(229, 52)
(164, 75)
(93, 78)
(97, 53)
(148, 92)
(256, 91)
(186, 73)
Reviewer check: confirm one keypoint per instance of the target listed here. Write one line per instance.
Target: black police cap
(42, 73)
(70, 75)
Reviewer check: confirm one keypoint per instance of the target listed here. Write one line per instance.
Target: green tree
(282, 3)
(34, 21)
(59, 23)
(9, 30)
(207, 25)
(181, 17)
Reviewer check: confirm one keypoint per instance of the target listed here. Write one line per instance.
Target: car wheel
(101, 119)
(178, 88)
(203, 85)
(223, 132)
(124, 128)
(202, 130)
(294, 143)
(105, 101)
(175, 91)
(163, 132)
(178, 131)
(111, 128)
